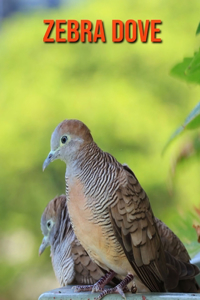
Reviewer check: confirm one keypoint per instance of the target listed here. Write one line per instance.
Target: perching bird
(70, 261)
(111, 214)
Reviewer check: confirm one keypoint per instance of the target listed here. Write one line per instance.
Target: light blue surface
(196, 259)
(66, 293)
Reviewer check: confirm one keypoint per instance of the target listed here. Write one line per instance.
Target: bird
(111, 214)
(70, 261)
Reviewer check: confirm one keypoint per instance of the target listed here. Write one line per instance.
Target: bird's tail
(181, 276)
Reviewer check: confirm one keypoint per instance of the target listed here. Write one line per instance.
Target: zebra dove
(70, 261)
(111, 214)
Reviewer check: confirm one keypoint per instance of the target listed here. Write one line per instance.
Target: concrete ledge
(66, 293)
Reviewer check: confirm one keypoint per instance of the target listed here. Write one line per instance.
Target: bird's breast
(81, 215)
(103, 248)
(63, 263)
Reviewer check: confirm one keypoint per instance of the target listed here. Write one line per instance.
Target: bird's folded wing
(171, 243)
(135, 227)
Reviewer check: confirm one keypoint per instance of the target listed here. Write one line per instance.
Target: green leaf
(191, 122)
(194, 65)
(189, 69)
(198, 29)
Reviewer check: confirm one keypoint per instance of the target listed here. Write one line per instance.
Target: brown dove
(112, 216)
(70, 261)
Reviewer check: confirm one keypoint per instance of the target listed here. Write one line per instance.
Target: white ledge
(66, 293)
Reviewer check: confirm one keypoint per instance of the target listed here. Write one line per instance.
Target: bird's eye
(64, 139)
(48, 224)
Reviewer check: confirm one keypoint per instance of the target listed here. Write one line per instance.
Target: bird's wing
(135, 228)
(171, 242)
(86, 271)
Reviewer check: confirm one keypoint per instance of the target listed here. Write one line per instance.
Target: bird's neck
(63, 230)
(85, 159)
(93, 169)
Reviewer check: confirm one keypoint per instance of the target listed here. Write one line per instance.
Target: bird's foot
(98, 286)
(121, 288)
(132, 290)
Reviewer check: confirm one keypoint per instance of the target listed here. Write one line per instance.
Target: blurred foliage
(123, 92)
(191, 122)
(189, 69)
(198, 29)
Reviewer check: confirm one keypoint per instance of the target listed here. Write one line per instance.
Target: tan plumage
(120, 231)
(70, 261)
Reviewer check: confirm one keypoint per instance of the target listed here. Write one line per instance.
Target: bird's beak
(45, 243)
(49, 159)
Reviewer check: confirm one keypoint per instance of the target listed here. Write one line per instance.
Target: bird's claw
(120, 288)
(115, 290)
(97, 288)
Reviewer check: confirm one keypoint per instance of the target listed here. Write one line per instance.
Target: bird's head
(67, 140)
(50, 221)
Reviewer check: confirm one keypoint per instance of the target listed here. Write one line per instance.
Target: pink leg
(120, 288)
(98, 286)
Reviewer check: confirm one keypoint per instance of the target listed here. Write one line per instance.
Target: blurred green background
(125, 95)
